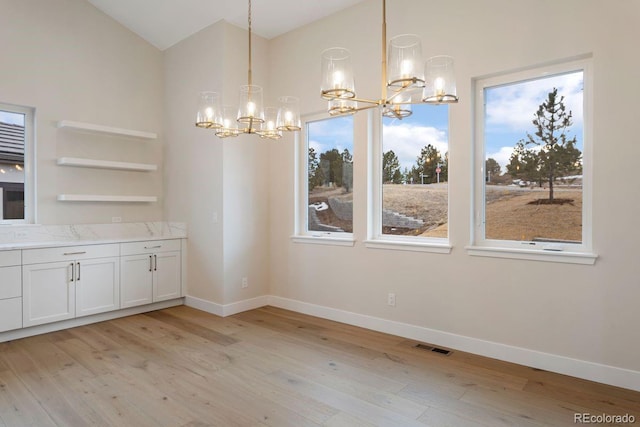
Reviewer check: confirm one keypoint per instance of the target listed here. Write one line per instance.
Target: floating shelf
(105, 164)
(89, 127)
(98, 198)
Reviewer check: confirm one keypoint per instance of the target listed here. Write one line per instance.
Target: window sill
(324, 239)
(409, 245)
(533, 255)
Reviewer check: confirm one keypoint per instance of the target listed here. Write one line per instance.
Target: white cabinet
(150, 272)
(10, 291)
(67, 282)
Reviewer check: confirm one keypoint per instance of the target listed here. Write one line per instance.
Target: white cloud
(502, 156)
(513, 106)
(331, 133)
(407, 140)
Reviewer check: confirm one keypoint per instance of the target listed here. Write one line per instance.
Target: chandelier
(250, 117)
(405, 82)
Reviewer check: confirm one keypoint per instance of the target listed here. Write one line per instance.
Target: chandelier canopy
(405, 79)
(251, 117)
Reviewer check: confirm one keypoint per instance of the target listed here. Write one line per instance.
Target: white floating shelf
(98, 198)
(105, 164)
(90, 127)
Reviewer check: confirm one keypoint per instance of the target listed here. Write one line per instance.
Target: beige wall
(69, 61)
(206, 175)
(582, 312)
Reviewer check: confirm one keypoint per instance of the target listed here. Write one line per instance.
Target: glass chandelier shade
(268, 129)
(288, 117)
(209, 115)
(405, 62)
(342, 106)
(440, 82)
(250, 111)
(399, 107)
(229, 126)
(337, 74)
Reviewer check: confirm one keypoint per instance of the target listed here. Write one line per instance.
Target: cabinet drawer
(69, 253)
(10, 282)
(152, 246)
(10, 314)
(10, 258)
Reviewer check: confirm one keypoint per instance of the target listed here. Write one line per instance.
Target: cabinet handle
(153, 247)
(73, 272)
(150, 262)
(75, 253)
(155, 263)
(78, 279)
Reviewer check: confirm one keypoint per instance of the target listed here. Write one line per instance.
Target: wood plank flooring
(272, 367)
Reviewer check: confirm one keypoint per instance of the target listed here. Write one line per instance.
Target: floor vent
(434, 349)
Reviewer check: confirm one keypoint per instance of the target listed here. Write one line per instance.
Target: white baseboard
(605, 374)
(227, 309)
(204, 305)
(81, 321)
(550, 362)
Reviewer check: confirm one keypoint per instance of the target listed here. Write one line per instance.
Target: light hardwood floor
(184, 367)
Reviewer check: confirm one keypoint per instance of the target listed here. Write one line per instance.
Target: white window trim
(538, 251)
(29, 164)
(375, 238)
(301, 189)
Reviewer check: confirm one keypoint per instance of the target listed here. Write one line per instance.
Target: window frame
(302, 234)
(542, 251)
(29, 164)
(375, 238)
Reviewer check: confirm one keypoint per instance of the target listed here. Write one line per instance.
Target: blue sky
(510, 109)
(427, 125)
(11, 118)
(508, 117)
(335, 132)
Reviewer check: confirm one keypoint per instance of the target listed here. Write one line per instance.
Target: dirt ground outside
(511, 212)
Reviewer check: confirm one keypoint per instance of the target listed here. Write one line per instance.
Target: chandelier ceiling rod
(249, 77)
(384, 51)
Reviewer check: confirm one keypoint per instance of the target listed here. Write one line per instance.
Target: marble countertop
(44, 236)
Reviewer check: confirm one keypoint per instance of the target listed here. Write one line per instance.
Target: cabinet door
(48, 293)
(97, 286)
(10, 298)
(167, 282)
(136, 286)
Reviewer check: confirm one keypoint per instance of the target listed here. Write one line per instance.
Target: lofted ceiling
(164, 23)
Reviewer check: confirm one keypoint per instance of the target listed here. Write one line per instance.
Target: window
(16, 136)
(409, 185)
(532, 162)
(326, 181)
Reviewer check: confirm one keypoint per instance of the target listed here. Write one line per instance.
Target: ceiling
(164, 23)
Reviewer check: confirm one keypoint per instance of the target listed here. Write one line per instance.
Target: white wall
(69, 61)
(582, 312)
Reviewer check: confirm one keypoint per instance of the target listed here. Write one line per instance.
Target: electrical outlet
(21, 234)
(391, 299)
(116, 219)
(245, 282)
